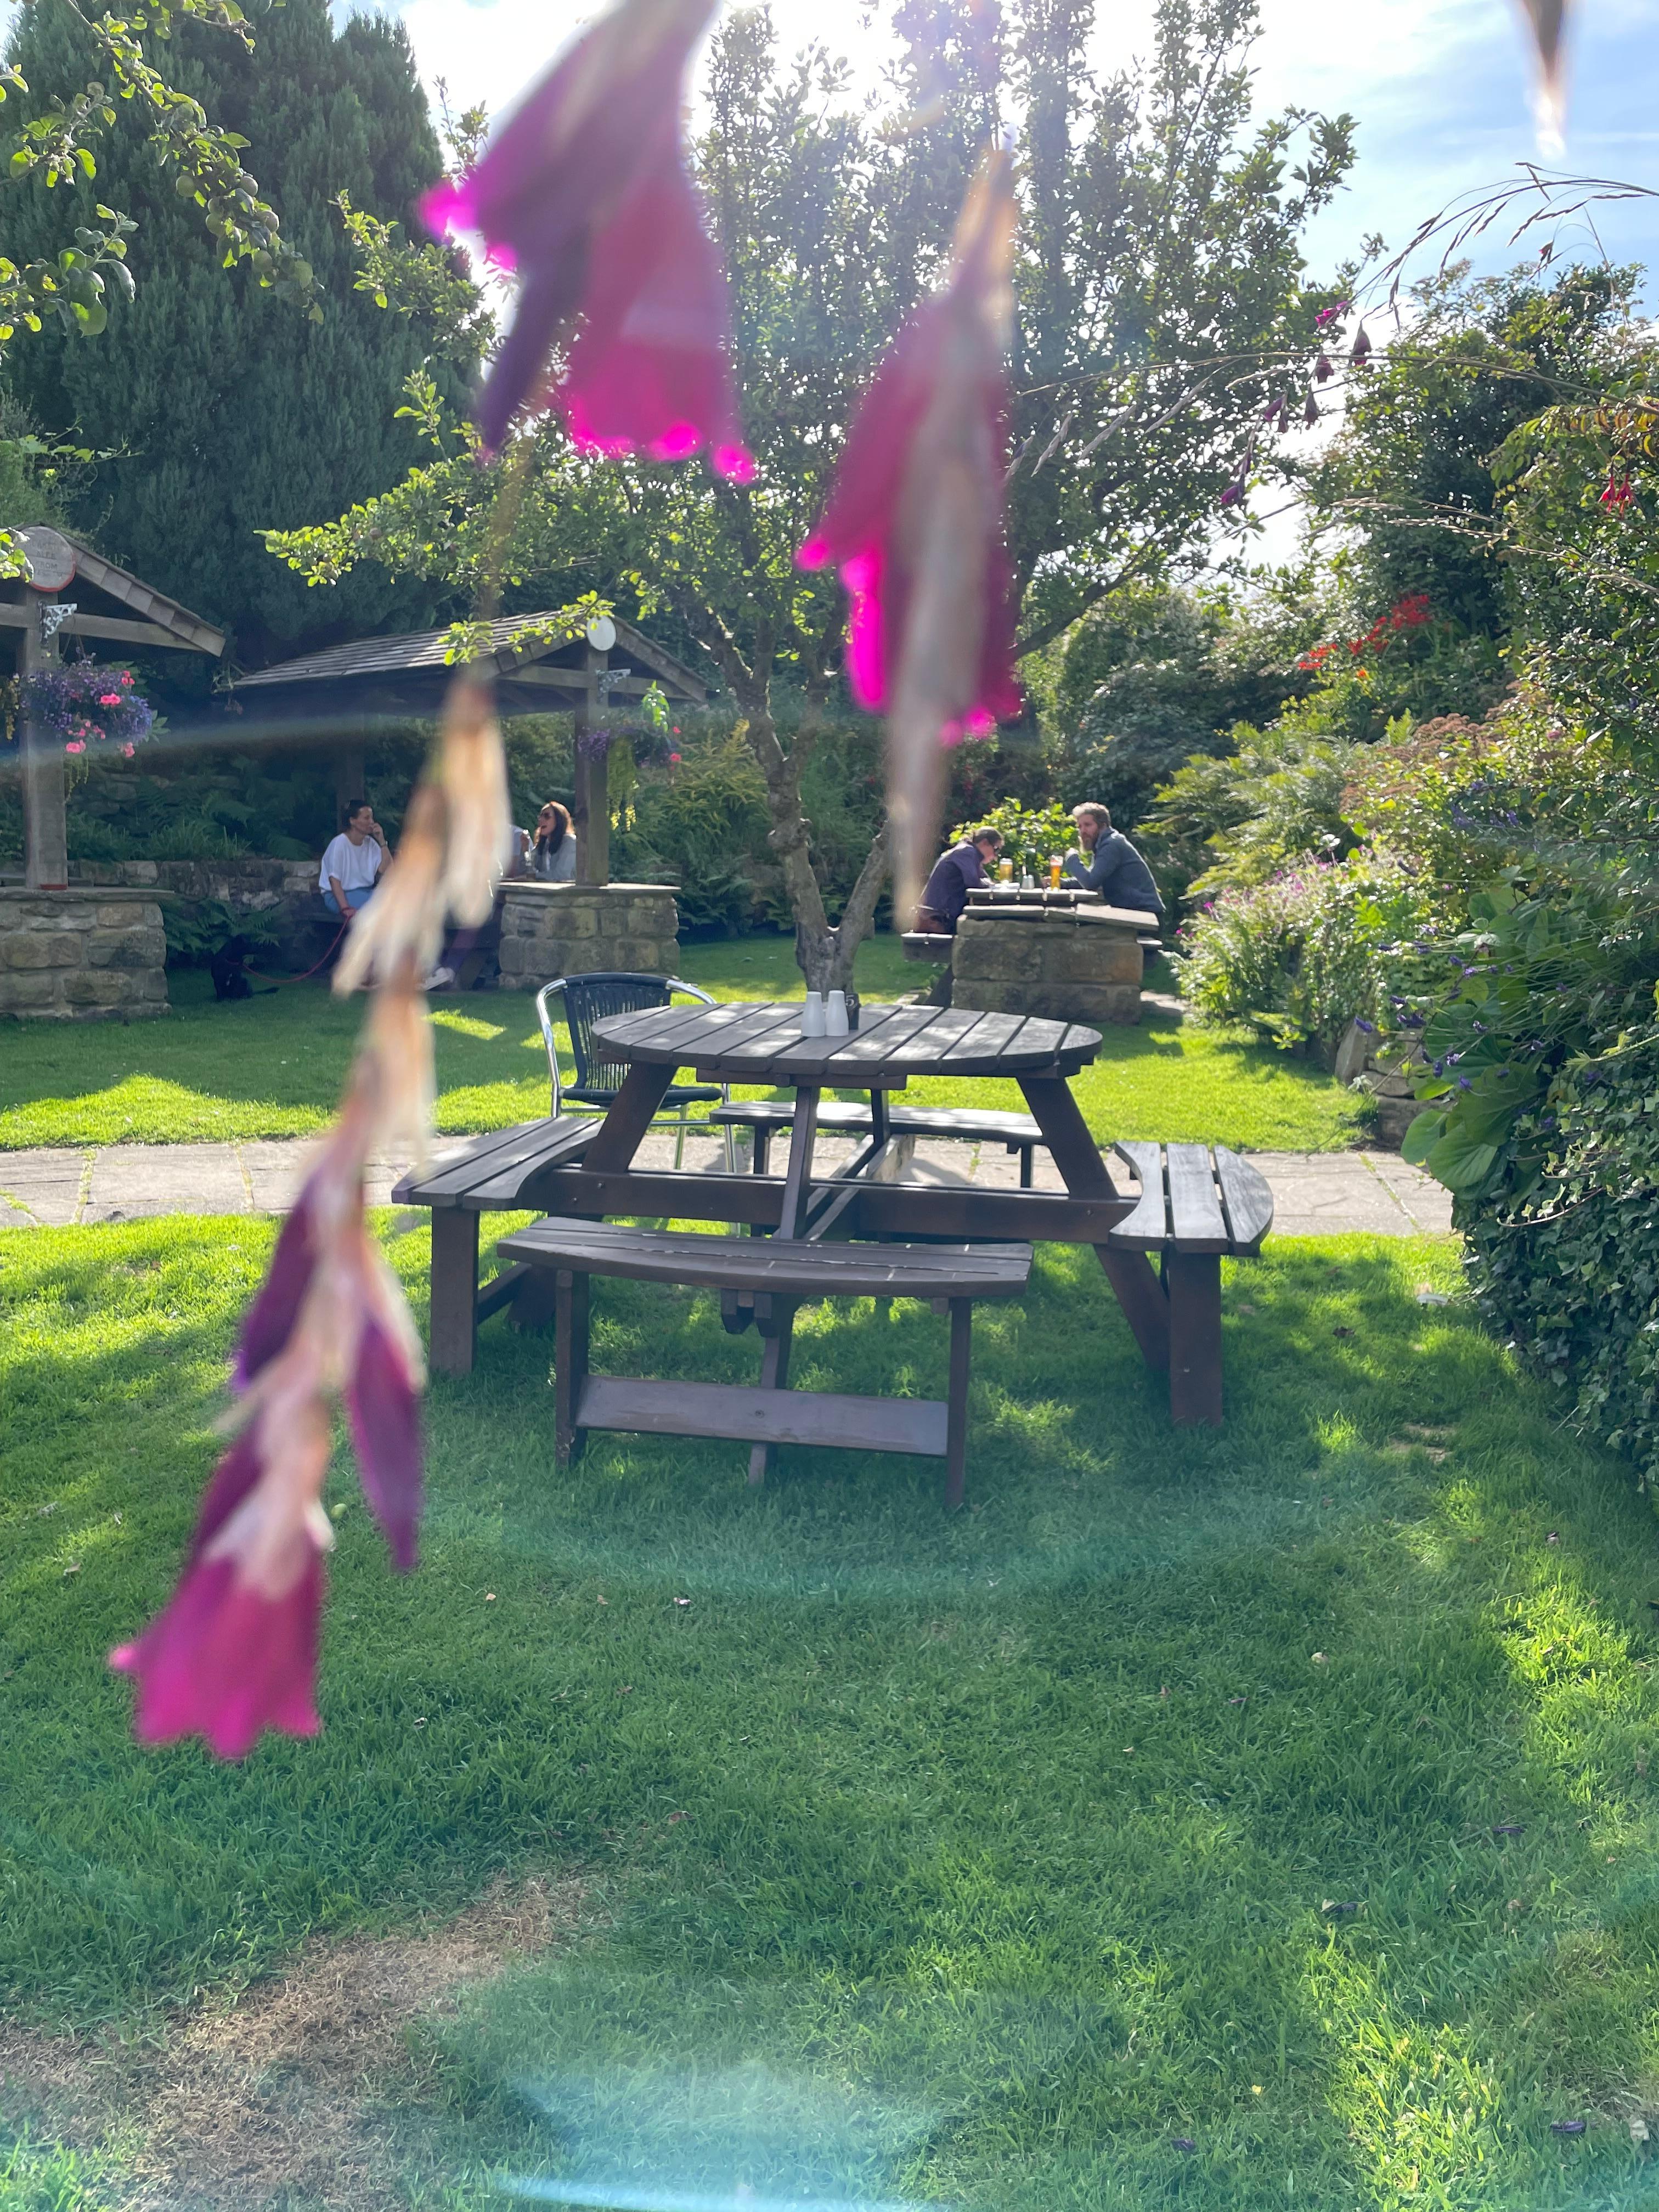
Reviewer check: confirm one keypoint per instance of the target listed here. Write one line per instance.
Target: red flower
(584, 192)
(1617, 493)
(914, 523)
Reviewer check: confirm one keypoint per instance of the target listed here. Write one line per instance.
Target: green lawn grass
(273, 1066)
(980, 1859)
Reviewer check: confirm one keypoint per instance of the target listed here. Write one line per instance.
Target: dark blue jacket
(955, 874)
(1117, 871)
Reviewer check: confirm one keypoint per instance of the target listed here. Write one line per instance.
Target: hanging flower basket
(85, 707)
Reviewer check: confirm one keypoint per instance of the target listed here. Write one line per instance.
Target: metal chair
(590, 999)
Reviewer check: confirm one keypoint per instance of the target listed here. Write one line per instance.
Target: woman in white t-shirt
(352, 864)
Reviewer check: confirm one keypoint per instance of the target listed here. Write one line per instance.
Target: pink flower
(584, 192)
(235, 1651)
(914, 523)
(127, 751)
(673, 760)
(75, 745)
(109, 699)
(1617, 493)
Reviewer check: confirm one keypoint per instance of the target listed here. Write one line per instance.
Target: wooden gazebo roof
(401, 676)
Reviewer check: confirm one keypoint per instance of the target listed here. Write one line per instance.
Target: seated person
(1109, 864)
(552, 855)
(955, 874)
(352, 864)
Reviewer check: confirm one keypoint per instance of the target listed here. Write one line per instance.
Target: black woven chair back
(590, 999)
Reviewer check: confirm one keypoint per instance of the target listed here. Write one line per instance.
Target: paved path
(1316, 1194)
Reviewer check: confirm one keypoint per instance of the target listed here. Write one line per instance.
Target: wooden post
(592, 811)
(45, 824)
(350, 770)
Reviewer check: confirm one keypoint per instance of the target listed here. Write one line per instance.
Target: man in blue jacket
(1109, 864)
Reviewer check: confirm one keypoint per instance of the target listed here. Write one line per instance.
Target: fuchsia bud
(1323, 371)
(1362, 347)
(915, 524)
(1616, 495)
(1310, 411)
(584, 193)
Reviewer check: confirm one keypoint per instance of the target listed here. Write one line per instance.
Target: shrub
(1300, 957)
(1030, 834)
(1570, 1277)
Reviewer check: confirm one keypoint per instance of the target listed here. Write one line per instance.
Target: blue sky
(1441, 88)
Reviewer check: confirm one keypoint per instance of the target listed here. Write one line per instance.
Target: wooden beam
(13, 617)
(45, 824)
(592, 812)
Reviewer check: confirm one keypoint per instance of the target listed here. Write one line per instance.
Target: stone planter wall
(1083, 966)
(1388, 1077)
(82, 955)
(573, 929)
(284, 892)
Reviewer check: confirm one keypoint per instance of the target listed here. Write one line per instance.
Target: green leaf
(1420, 1139)
(1459, 1163)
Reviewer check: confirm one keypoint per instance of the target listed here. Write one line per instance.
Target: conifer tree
(223, 411)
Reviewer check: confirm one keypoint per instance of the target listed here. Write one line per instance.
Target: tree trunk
(825, 952)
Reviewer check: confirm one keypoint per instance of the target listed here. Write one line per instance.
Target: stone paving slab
(1315, 1193)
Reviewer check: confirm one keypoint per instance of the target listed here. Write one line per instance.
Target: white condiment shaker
(835, 1014)
(812, 1015)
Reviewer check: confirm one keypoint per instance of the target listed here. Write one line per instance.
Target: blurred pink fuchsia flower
(1616, 493)
(915, 524)
(584, 193)
(235, 1652)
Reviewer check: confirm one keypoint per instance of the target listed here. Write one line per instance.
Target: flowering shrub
(1300, 957)
(1030, 834)
(85, 705)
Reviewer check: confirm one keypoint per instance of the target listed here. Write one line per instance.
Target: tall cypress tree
(224, 409)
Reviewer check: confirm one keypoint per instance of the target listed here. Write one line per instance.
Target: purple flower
(1463, 1083)
(1362, 348)
(584, 193)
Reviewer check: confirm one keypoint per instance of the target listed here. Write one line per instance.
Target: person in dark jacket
(1109, 863)
(955, 874)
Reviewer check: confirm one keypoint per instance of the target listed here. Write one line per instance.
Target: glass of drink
(1056, 862)
(1005, 871)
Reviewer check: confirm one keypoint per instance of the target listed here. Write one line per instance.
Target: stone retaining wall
(1083, 966)
(283, 892)
(572, 929)
(82, 955)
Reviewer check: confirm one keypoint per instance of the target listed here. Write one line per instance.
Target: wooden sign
(51, 559)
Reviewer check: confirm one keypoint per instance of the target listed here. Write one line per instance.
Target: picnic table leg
(629, 1116)
(569, 1363)
(1194, 1286)
(956, 1418)
(777, 1327)
(453, 1326)
(1083, 1171)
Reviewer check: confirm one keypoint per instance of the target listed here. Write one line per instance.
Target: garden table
(1196, 1202)
(763, 1044)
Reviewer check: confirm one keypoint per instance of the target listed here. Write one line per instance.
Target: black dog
(228, 968)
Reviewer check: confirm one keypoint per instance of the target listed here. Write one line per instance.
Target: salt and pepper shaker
(835, 1014)
(812, 1018)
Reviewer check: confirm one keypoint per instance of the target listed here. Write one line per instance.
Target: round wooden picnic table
(762, 1042)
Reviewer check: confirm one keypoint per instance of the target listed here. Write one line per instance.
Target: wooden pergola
(375, 685)
(74, 593)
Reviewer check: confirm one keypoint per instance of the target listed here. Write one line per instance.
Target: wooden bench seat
(1017, 1133)
(928, 944)
(1197, 1204)
(762, 1283)
(495, 1173)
